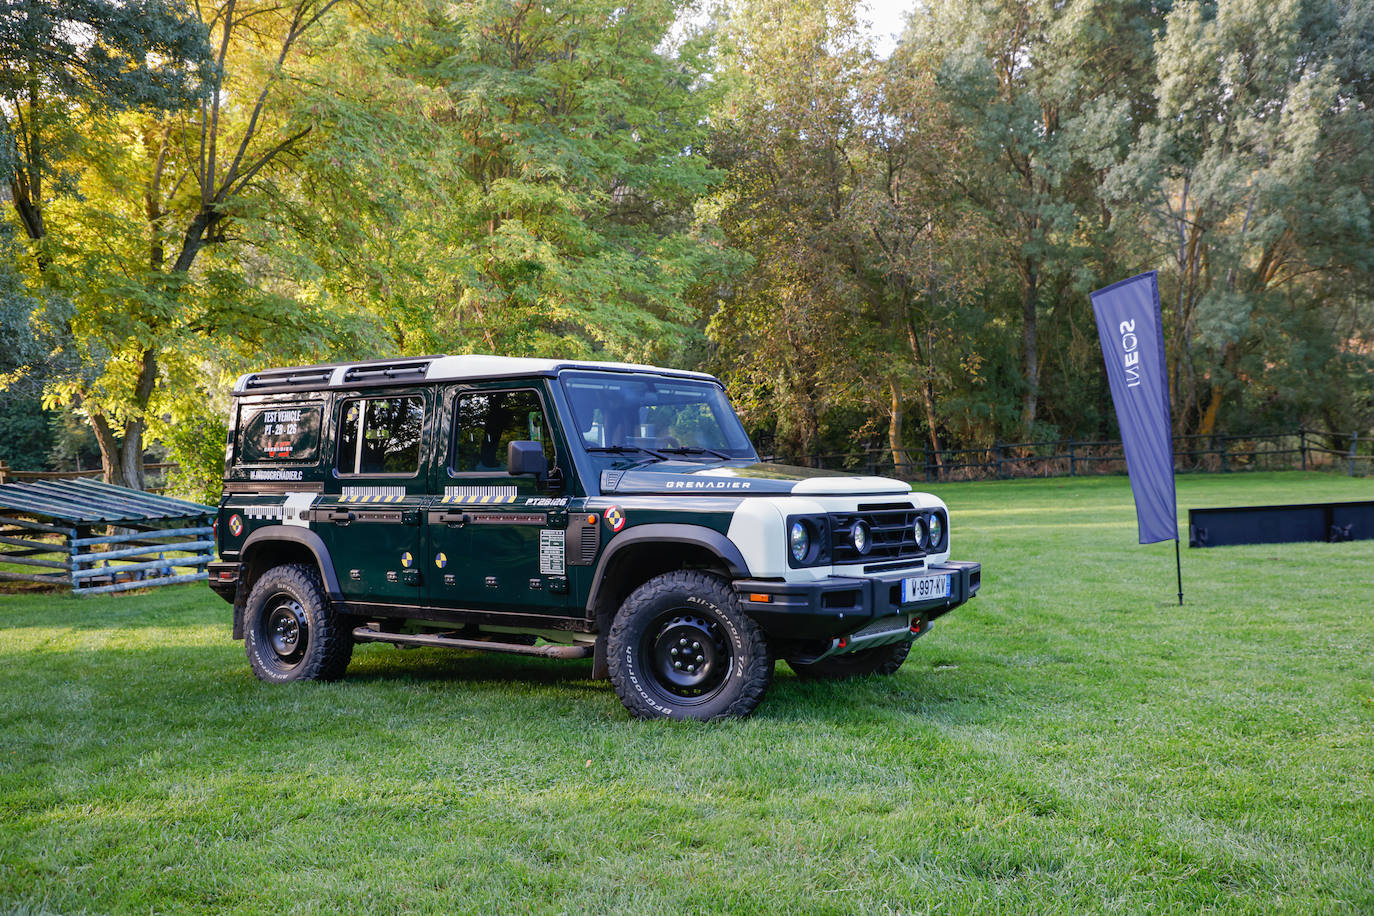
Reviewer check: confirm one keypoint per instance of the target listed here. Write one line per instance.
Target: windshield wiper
(695, 450)
(628, 449)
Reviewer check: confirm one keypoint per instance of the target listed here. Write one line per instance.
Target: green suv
(567, 510)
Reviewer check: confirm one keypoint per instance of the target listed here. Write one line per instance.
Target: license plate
(922, 588)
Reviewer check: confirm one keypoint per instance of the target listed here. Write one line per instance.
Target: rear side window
(380, 435)
(283, 432)
(489, 422)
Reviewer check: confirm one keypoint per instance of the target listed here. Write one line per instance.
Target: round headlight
(922, 533)
(937, 531)
(799, 541)
(861, 537)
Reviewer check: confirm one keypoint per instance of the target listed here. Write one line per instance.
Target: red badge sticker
(615, 518)
(235, 525)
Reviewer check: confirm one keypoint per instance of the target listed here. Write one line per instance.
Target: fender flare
(673, 533)
(298, 535)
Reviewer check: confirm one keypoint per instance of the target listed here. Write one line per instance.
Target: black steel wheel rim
(688, 654)
(285, 630)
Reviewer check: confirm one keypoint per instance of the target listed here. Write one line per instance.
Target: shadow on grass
(381, 664)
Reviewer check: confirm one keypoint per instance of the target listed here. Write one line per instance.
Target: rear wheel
(290, 631)
(881, 660)
(681, 649)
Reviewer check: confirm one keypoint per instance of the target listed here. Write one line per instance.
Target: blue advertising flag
(1132, 334)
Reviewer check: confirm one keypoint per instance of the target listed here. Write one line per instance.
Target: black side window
(487, 423)
(288, 432)
(380, 436)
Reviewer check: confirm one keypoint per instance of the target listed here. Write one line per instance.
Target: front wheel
(881, 660)
(680, 648)
(290, 631)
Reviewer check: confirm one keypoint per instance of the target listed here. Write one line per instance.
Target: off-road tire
(880, 660)
(290, 630)
(731, 667)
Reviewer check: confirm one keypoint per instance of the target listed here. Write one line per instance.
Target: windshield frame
(635, 452)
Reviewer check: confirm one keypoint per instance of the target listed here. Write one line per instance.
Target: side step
(368, 634)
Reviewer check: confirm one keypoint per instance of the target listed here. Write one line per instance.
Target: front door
(370, 516)
(496, 541)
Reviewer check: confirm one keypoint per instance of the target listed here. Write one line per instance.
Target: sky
(889, 18)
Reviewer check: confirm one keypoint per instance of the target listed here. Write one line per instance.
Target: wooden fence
(1299, 450)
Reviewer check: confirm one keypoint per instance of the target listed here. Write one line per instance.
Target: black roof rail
(379, 372)
(287, 378)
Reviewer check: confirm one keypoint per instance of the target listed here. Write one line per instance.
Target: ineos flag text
(1132, 334)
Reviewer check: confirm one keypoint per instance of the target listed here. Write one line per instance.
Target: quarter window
(287, 432)
(488, 422)
(380, 436)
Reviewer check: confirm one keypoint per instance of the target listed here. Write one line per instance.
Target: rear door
(495, 541)
(371, 517)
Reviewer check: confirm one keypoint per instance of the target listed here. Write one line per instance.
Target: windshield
(655, 416)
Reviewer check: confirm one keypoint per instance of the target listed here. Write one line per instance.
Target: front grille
(892, 527)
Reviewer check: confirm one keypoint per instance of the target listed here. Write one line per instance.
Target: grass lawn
(1070, 741)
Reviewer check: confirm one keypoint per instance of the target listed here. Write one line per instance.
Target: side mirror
(526, 457)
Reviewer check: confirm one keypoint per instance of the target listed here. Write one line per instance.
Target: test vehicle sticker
(235, 525)
(440, 560)
(552, 553)
(615, 518)
(407, 559)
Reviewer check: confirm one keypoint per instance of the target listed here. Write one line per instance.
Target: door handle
(336, 515)
(448, 518)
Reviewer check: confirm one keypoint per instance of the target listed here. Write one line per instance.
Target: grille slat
(892, 530)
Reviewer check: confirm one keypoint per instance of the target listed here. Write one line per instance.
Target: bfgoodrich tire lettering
(681, 649)
(290, 631)
(882, 660)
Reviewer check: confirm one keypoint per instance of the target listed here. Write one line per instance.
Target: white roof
(434, 368)
(482, 366)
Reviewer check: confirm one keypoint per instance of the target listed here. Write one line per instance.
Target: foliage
(25, 432)
(524, 180)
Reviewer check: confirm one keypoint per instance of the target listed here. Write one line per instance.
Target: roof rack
(278, 379)
(387, 371)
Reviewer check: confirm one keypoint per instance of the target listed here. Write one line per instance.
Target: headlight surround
(922, 528)
(861, 537)
(799, 541)
(808, 540)
(937, 530)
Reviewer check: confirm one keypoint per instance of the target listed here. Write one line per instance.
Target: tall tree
(1051, 92)
(1254, 186)
(538, 196)
(63, 62)
(152, 192)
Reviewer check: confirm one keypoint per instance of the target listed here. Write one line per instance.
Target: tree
(63, 62)
(1050, 93)
(154, 189)
(536, 196)
(1254, 185)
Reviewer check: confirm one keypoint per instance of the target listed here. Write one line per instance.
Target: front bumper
(838, 606)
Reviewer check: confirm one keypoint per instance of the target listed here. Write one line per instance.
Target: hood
(682, 477)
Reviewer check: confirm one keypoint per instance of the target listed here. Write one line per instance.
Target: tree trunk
(901, 467)
(1030, 349)
(121, 458)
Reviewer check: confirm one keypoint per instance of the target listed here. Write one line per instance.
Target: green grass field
(1071, 741)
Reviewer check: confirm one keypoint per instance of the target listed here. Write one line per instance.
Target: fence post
(997, 446)
(1073, 461)
(4, 471)
(925, 451)
(1354, 438)
(1224, 469)
(1302, 446)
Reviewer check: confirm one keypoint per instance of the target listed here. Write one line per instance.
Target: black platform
(1332, 522)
